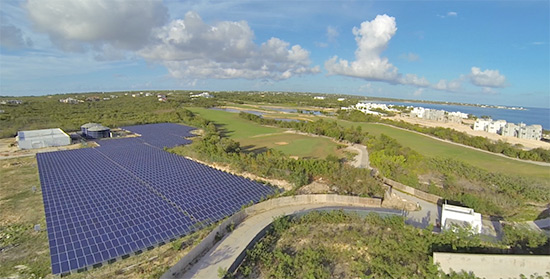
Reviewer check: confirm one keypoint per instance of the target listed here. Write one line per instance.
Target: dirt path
(361, 160)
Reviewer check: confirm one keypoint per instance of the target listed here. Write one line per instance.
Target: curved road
(226, 251)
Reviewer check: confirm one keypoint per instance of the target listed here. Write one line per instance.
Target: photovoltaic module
(129, 194)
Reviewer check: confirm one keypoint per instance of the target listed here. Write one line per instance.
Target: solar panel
(128, 194)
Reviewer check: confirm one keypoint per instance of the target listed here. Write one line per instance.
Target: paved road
(429, 213)
(226, 251)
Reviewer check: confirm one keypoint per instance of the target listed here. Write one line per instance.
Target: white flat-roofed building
(367, 107)
(482, 124)
(532, 132)
(458, 113)
(435, 115)
(495, 127)
(418, 112)
(42, 138)
(510, 130)
(452, 215)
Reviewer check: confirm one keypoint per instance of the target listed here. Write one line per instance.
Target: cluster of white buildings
(202, 95)
(367, 108)
(420, 112)
(501, 127)
(438, 115)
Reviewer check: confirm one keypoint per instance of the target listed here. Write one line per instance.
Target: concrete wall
(237, 218)
(494, 266)
(410, 190)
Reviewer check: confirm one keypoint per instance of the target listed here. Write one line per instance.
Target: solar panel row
(126, 195)
(163, 134)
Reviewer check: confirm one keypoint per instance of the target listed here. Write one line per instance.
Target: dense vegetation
(48, 112)
(340, 245)
(536, 154)
(489, 193)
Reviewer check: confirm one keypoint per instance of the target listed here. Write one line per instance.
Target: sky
(486, 52)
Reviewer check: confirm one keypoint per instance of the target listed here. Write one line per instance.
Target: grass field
(21, 208)
(436, 148)
(255, 137)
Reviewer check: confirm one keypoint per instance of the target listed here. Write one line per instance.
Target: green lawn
(294, 144)
(255, 137)
(436, 148)
(234, 126)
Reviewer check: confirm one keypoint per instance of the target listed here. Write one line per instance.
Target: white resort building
(367, 108)
(482, 124)
(438, 115)
(501, 127)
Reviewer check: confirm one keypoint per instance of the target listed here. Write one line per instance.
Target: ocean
(528, 116)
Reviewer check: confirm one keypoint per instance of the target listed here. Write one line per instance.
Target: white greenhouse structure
(42, 138)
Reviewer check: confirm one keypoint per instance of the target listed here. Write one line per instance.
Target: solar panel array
(128, 195)
(163, 134)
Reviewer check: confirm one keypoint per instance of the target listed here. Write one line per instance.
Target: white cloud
(12, 37)
(445, 85)
(78, 24)
(487, 78)
(418, 92)
(372, 39)
(366, 87)
(332, 34)
(190, 48)
(411, 57)
(488, 90)
(412, 79)
(449, 14)
(321, 44)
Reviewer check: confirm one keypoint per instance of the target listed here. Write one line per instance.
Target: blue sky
(491, 52)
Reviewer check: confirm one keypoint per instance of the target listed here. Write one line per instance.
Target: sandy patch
(315, 187)
(281, 143)
(9, 149)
